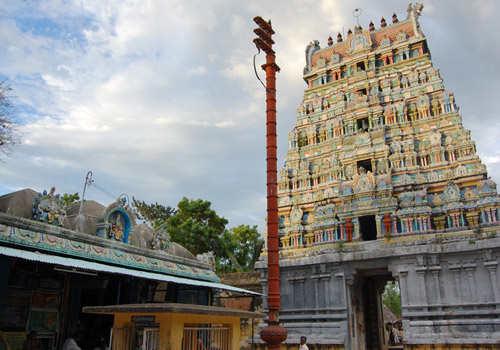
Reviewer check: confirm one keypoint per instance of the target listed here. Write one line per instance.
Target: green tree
(391, 298)
(154, 214)
(247, 244)
(9, 133)
(199, 229)
(70, 198)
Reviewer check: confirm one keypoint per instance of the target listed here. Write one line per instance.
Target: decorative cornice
(70, 243)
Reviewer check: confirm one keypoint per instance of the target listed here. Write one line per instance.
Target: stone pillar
(309, 238)
(492, 268)
(409, 225)
(301, 281)
(488, 213)
(326, 288)
(456, 274)
(291, 282)
(421, 275)
(315, 279)
(439, 222)
(435, 273)
(469, 268)
(285, 241)
(342, 286)
(378, 224)
(356, 237)
(420, 224)
(403, 287)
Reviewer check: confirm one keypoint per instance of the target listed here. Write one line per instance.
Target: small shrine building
(92, 269)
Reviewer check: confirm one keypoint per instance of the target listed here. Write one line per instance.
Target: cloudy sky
(159, 98)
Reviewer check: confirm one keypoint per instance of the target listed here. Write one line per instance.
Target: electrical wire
(255, 70)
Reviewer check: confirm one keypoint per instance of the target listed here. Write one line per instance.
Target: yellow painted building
(169, 326)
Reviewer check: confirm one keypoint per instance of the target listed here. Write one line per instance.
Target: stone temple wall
(449, 289)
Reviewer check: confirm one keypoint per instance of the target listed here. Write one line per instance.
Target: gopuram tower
(382, 183)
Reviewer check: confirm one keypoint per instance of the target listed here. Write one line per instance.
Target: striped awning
(98, 267)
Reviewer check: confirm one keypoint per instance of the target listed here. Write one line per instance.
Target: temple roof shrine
(377, 139)
(381, 182)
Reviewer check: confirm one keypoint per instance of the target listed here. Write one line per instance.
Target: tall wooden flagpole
(273, 334)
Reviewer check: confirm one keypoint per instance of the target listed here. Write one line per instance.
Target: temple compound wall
(381, 182)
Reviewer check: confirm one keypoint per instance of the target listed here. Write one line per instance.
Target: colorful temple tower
(381, 182)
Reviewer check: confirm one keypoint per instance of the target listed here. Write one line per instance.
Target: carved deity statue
(311, 134)
(401, 112)
(293, 138)
(361, 98)
(385, 84)
(423, 106)
(422, 77)
(435, 106)
(325, 103)
(322, 134)
(117, 226)
(413, 78)
(317, 103)
(389, 114)
(412, 112)
(447, 98)
(48, 208)
(404, 82)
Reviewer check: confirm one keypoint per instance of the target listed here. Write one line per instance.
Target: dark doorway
(367, 228)
(365, 164)
(363, 124)
(367, 295)
(371, 308)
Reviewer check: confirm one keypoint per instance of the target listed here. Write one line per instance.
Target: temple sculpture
(381, 182)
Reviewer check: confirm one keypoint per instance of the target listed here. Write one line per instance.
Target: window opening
(366, 164)
(363, 124)
(368, 228)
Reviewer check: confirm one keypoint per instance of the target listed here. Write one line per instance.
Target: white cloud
(161, 101)
(200, 70)
(492, 160)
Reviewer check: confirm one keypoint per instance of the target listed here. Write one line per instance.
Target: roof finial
(356, 13)
(330, 41)
(394, 18)
(383, 23)
(339, 37)
(372, 26)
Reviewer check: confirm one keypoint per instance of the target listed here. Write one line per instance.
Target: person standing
(395, 331)
(103, 345)
(303, 345)
(33, 343)
(71, 343)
